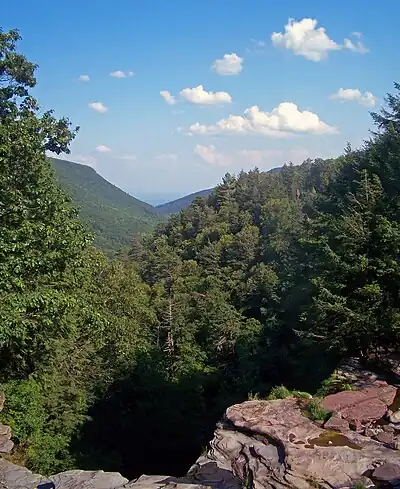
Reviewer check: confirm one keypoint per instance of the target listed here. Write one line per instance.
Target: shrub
(301, 395)
(282, 392)
(332, 385)
(253, 397)
(315, 411)
(279, 392)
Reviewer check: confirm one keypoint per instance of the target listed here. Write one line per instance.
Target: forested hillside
(178, 205)
(269, 281)
(112, 215)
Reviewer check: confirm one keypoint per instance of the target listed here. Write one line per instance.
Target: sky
(171, 95)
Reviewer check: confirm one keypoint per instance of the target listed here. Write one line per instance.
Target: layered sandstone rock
(274, 445)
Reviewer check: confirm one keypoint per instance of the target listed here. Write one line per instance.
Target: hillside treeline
(126, 364)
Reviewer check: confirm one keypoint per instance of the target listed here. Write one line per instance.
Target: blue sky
(242, 84)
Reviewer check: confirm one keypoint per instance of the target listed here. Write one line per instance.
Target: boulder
(388, 472)
(1, 400)
(275, 446)
(395, 417)
(15, 477)
(269, 445)
(362, 407)
(87, 479)
(337, 424)
(351, 371)
(385, 437)
(161, 482)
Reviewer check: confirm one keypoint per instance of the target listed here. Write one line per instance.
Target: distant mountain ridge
(113, 215)
(178, 205)
(183, 203)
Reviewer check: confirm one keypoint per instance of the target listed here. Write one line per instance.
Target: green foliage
(333, 384)
(26, 413)
(253, 397)
(181, 204)
(113, 216)
(281, 392)
(315, 411)
(301, 395)
(266, 282)
(358, 485)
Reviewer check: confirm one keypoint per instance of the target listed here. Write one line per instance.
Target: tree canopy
(270, 279)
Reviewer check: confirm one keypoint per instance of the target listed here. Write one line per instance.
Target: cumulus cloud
(121, 74)
(355, 95)
(167, 156)
(210, 155)
(230, 64)
(98, 107)
(357, 47)
(84, 78)
(304, 38)
(166, 95)
(200, 96)
(283, 121)
(103, 149)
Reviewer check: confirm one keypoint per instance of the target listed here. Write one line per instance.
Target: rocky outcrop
(274, 444)
(360, 408)
(6, 445)
(15, 477)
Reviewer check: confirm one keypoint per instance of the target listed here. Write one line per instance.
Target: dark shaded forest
(126, 364)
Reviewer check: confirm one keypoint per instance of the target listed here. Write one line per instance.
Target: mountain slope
(183, 203)
(113, 215)
(178, 205)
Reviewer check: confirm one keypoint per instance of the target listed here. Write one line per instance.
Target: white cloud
(354, 94)
(357, 47)
(230, 64)
(166, 95)
(84, 78)
(103, 149)
(127, 157)
(210, 155)
(282, 121)
(98, 107)
(305, 39)
(121, 74)
(167, 156)
(200, 96)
